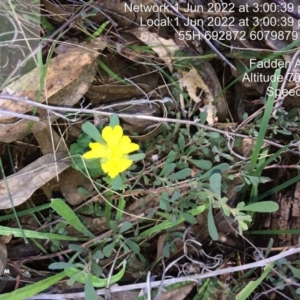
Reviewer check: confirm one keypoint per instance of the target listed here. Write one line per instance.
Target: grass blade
(33, 289)
(169, 224)
(12, 203)
(252, 285)
(68, 214)
(16, 232)
(265, 121)
(212, 229)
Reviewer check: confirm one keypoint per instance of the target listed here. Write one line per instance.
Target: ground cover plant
(149, 150)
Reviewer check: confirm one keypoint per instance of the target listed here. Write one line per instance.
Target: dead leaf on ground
(192, 82)
(59, 13)
(69, 180)
(65, 84)
(132, 100)
(164, 48)
(108, 93)
(121, 14)
(24, 183)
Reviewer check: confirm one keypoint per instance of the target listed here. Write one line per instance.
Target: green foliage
(92, 167)
(212, 229)
(83, 275)
(68, 214)
(92, 132)
(33, 289)
(114, 121)
(189, 177)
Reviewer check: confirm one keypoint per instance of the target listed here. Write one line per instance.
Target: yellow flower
(114, 153)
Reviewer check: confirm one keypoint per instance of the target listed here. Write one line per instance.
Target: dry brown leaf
(121, 14)
(69, 180)
(59, 13)
(66, 82)
(192, 81)
(164, 48)
(108, 93)
(114, 97)
(22, 184)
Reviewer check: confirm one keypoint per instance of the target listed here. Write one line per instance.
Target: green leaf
(181, 143)
(33, 289)
(212, 229)
(216, 169)
(76, 149)
(83, 191)
(167, 169)
(97, 282)
(202, 164)
(176, 195)
(262, 207)
(169, 224)
(83, 140)
(107, 250)
(215, 183)
(117, 183)
(255, 180)
(93, 163)
(113, 225)
(60, 265)
(96, 269)
(98, 255)
(121, 207)
(188, 217)
(182, 174)
(91, 130)
(16, 232)
(137, 156)
(114, 121)
(203, 117)
(135, 248)
(46, 24)
(171, 157)
(296, 272)
(190, 150)
(213, 135)
(125, 226)
(68, 214)
(75, 277)
(164, 202)
(89, 291)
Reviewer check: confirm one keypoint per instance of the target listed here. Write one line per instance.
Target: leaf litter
(65, 85)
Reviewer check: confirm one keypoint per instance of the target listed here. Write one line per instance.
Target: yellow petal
(98, 151)
(126, 146)
(123, 164)
(111, 168)
(115, 166)
(112, 136)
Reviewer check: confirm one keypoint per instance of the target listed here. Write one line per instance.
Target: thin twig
(52, 36)
(193, 278)
(17, 115)
(180, 15)
(141, 117)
